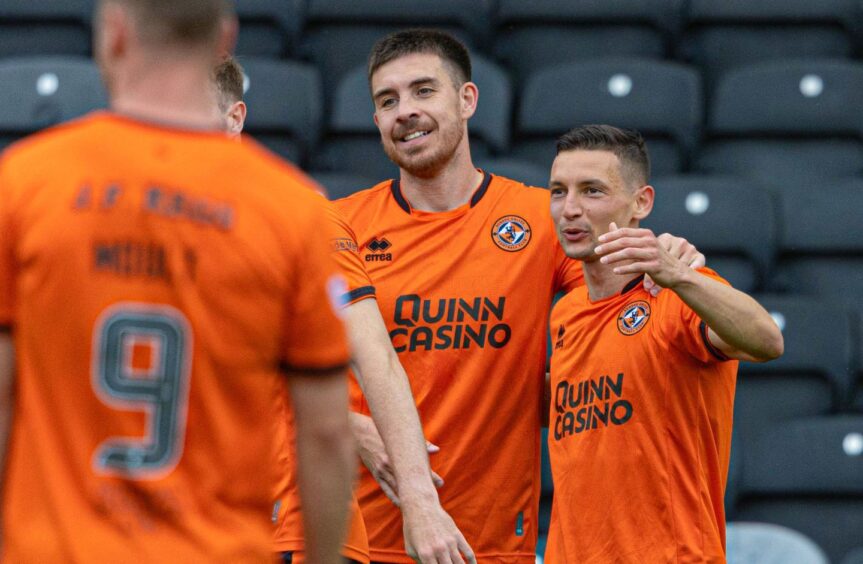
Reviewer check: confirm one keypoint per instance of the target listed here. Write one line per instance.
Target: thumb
(612, 226)
(432, 448)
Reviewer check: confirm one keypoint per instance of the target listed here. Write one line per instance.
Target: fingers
(436, 479)
(698, 261)
(466, 550)
(646, 254)
(650, 286)
(389, 488)
(432, 448)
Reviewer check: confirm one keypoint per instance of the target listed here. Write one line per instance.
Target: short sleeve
(685, 330)
(7, 252)
(314, 336)
(343, 243)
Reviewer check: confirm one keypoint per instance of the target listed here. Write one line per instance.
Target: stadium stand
(805, 474)
(37, 92)
(338, 34)
(532, 35)
(740, 240)
(821, 244)
(285, 119)
(854, 557)
(719, 36)
(269, 28)
(661, 99)
(764, 543)
(787, 121)
(45, 27)
(341, 184)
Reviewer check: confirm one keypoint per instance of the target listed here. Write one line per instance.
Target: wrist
(685, 277)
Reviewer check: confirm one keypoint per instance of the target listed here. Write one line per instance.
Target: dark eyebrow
(413, 84)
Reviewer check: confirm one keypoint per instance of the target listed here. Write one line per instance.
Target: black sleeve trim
(284, 367)
(358, 293)
(710, 348)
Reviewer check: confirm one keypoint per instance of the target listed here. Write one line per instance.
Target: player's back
(160, 279)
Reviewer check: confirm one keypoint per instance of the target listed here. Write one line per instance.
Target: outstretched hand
(639, 251)
(431, 536)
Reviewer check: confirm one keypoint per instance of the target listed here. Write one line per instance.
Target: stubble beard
(429, 164)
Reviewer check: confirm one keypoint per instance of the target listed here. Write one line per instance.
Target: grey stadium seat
(339, 34)
(525, 172)
(766, 543)
(812, 378)
(269, 28)
(45, 27)
(730, 220)
(353, 141)
(531, 35)
(662, 100)
(285, 106)
(38, 92)
(787, 121)
(805, 474)
(821, 243)
(340, 184)
(720, 36)
(854, 557)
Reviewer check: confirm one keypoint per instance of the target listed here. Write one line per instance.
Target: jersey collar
(474, 200)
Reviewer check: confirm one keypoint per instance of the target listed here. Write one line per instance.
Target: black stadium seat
(787, 121)
(269, 28)
(730, 220)
(723, 35)
(285, 106)
(814, 375)
(37, 92)
(821, 243)
(45, 27)
(805, 474)
(662, 100)
(339, 34)
(539, 33)
(525, 172)
(341, 184)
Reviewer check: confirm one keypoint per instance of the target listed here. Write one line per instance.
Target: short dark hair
(178, 22)
(427, 41)
(627, 144)
(228, 78)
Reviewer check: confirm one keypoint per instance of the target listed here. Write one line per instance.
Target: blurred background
(753, 112)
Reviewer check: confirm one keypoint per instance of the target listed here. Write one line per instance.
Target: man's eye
(387, 102)
(424, 91)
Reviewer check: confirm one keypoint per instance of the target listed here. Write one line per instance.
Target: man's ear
(644, 198)
(469, 94)
(236, 117)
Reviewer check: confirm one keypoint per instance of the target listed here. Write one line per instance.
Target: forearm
(7, 402)
(388, 393)
(325, 464)
(738, 325)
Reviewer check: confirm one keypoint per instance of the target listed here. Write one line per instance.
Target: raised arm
(430, 533)
(738, 325)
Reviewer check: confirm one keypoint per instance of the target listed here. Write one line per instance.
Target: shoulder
(574, 300)
(519, 190)
(378, 193)
(56, 139)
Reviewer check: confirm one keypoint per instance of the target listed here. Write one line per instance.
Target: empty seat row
(780, 122)
(524, 35)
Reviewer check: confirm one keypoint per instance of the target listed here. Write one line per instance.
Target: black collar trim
(632, 284)
(395, 188)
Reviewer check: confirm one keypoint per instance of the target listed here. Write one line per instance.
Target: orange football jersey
(465, 295)
(287, 512)
(157, 281)
(639, 431)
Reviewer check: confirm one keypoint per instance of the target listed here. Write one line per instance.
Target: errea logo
(376, 250)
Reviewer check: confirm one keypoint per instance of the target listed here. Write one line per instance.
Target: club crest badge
(633, 317)
(511, 233)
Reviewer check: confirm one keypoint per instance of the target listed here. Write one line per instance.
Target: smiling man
(465, 265)
(642, 386)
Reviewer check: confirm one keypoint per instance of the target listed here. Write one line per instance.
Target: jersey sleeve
(685, 330)
(7, 262)
(346, 255)
(314, 335)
